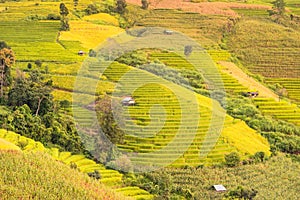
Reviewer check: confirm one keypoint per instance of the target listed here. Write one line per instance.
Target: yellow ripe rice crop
(245, 139)
(64, 95)
(102, 17)
(5, 145)
(90, 35)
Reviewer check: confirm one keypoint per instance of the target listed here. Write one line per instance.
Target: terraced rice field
(281, 110)
(171, 133)
(201, 28)
(36, 41)
(109, 177)
(271, 179)
(274, 56)
(231, 85)
(291, 85)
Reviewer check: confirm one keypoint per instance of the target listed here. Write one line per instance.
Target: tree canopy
(7, 59)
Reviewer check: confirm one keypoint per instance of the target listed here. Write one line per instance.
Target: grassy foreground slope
(109, 178)
(38, 176)
(5, 145)
(277, 178)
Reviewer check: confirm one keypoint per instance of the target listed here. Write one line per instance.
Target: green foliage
(3, 45)
(7, 59)
(33, 91)
(96, 175)
(38, 63)
(134, 59)
(51, 129)
(159, 184)
(145, 4)
(121, 6)
(282, 142)
(92, 53)
(282, 135)
(52, 16)
(107, 116)
(64, 24)
(243, 108)
(279, 6)
(64, 11)
(241, 193)
(260, 156)
(92, 9)
(196, 183)
(75, 4)
(190, 79)
(232, 160)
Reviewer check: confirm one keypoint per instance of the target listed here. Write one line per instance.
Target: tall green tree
(7, 59)
(64, 11)
(75, 4)
(121, 6)
(145, 4)
(109, 118)
(279, 6)
(33, 91)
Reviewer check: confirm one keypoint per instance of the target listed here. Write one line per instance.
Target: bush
(53, 17)
(29, 65)
(92, 9)
(242, 193)
(260, 156)
(96, 175)
(145, 4)
(232, 159)
(38, 63)
(92, 53)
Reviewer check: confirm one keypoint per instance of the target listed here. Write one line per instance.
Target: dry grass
(246, 80)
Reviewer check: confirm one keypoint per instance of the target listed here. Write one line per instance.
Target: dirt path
(245, 80)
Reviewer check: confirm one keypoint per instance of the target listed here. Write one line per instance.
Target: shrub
(52, 16)
(242, 193)
(92, 53)
(260, 156)
(38, 63)
(232, 159)
(145, 4)
(92, 9)
(121, 6)
(95, 174)
(29, 65)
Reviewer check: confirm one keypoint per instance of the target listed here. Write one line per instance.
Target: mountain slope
(38, 176)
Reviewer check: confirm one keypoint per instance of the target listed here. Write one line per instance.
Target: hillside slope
(38, 176)
(247, 81)
(173, 131)
(110, 179)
